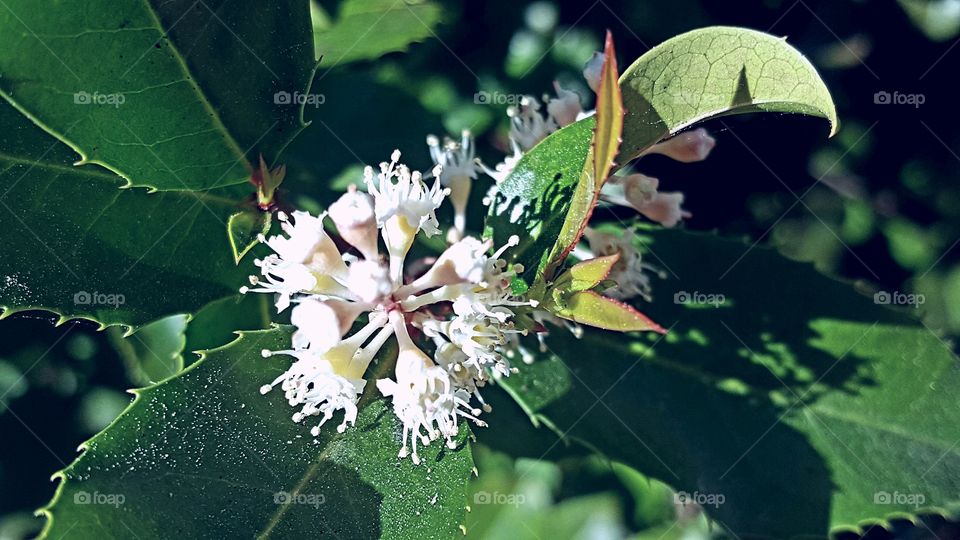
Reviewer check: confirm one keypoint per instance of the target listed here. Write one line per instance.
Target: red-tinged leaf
(603, 149)
(586, 275)
(593, 309)
(610, 113)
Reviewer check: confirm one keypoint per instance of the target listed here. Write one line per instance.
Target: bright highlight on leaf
(713, 72)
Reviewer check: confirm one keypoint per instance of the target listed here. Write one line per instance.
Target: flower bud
(353, 215)
(687, 147)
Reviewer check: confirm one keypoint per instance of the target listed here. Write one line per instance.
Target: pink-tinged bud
(639, 189)
(639, 192)
(665, 209)
(687, 147)
(353, 215)
(592, 70)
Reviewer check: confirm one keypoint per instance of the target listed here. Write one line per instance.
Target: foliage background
(877, 203)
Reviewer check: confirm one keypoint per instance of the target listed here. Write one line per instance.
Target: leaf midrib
(295, 491)
(379, 370)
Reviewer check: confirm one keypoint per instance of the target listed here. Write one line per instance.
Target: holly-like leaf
(75, 244)
(171, 95)
(155, 351)
(713, 72)
(244, 229)
(217, 323)
(809, 402)
(369, 29)
(688, 79)
(207, 441)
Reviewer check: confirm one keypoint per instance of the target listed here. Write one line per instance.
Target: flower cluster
(452, 319)
(348, 302)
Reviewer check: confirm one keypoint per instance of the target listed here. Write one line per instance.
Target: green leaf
(809, 402)
(155, 351)
(369, 29)
(243, 229)
(515, 500)
(205, 455)
(713, 72)
(75, 244)
(533, 201)
(172, 95)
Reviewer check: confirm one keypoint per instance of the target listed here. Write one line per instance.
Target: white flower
(527, 125)
(462, 262)
(305, 238)
(593, 69)
(502, 170)
(565, 108)
(323, 382)
(311, 383)
(424, 398)
(481, 339)
(456, 159)
(331, 290)
(530, 124)
(353, 214)
(404, 205)
(306, 259)
(458, 170)
(399, 193)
